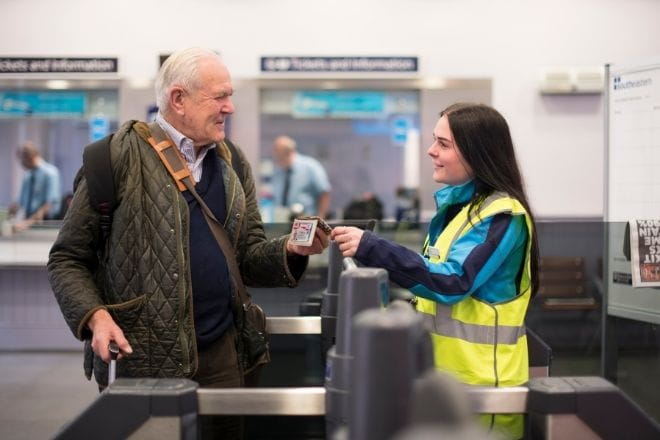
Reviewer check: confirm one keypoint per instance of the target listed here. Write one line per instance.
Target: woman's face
(448, 164)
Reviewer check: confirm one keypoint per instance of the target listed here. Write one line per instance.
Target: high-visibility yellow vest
(477, 342)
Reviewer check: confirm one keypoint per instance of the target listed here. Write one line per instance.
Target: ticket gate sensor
(359, 289)
(330, 299)
(391, 350)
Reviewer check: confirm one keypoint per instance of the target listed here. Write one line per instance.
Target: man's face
(27, 158)
(282, 154)
(204, 110)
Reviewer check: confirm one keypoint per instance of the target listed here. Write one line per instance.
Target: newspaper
(645, 252)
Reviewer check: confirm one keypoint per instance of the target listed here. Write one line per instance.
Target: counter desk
(30, 318)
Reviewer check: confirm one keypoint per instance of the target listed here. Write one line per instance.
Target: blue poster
(99, 127)
(42, 103)
(400, 127)
(338, 104)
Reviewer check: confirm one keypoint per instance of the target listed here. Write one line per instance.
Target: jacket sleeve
(264, 262)
(472, 260)
(73, 258)
(73, 261)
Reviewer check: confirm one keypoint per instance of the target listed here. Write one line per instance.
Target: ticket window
(60, 122)
(359, 136)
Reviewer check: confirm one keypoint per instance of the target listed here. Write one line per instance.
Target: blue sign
(99, 127)
(338, 104)
(339, 64)
(373, 127)
(42, 103)
(400, 127)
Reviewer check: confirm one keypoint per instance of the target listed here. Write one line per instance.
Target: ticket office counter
(30, 318)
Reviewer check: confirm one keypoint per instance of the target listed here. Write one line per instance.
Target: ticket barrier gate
(557, 408)
(384, 358)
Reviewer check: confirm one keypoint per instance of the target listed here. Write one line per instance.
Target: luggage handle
(114, 353)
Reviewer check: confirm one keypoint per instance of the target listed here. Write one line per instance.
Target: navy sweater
(211, 285)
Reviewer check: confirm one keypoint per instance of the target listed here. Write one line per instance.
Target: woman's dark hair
(482, 136)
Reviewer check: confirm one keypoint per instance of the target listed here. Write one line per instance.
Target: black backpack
(97, 170)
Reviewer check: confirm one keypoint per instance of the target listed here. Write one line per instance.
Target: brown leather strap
(171, 157)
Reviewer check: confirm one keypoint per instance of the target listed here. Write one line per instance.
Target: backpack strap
(168, 153)
(97, 169)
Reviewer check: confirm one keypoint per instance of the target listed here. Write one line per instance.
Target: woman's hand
(348, 239)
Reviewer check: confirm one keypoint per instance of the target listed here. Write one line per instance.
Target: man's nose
(228, 107)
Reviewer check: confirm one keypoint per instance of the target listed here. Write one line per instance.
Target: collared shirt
(307, 181)
(186, 146)
(41, 185)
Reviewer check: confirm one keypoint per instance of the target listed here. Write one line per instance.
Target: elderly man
(161, 287)
(299, 179)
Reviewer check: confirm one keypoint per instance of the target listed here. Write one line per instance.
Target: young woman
(478, 267)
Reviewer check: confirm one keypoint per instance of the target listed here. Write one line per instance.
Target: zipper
(185, 351)
(240, 214)
(239, 225)
(232, 191)
(497, 321)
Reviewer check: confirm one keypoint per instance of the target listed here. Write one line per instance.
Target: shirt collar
(180, 140)
(174, 134)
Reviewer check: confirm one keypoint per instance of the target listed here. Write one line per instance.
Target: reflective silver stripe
(442, 324)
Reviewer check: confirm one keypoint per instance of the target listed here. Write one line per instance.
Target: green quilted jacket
(141, 275)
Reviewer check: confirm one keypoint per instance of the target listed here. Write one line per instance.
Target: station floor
(41, 391)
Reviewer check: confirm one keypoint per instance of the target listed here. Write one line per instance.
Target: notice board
(632, 183)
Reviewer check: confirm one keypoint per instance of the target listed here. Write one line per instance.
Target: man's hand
(13, 209)
(320, 242)
(22, 226)
(104, 329)
(348, 239)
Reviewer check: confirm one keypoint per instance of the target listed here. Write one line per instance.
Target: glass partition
(60, 117)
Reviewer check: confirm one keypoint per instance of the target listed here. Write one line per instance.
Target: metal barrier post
(360, 289)
(330, 299)
(387, 360)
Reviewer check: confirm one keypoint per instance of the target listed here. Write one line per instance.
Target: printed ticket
(302, 232)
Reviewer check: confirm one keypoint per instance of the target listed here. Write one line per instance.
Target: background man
(299, 179)
(40, 194)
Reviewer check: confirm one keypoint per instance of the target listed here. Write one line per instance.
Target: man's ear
(177, 96)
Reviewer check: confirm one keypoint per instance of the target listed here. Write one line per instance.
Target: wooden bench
(562, 284)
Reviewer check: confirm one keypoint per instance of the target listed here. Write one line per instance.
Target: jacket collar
(453, 194)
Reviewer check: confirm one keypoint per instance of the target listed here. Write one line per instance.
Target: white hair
(180, 69)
